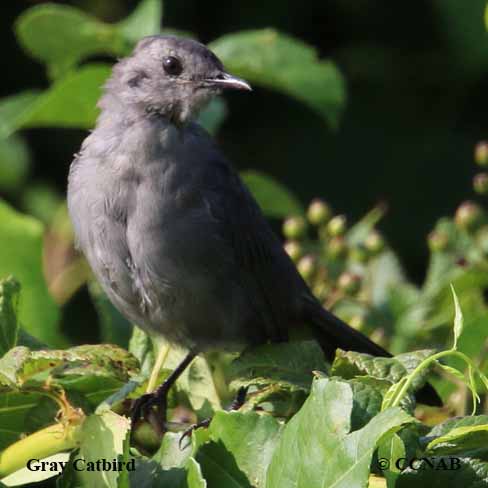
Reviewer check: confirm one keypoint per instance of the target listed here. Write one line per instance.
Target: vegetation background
(388, 118)
(416, 76)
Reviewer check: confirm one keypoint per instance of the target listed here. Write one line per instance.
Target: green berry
(359, 254)
(294, 250)
(294, 227)
(337, 225)
(438, 241)
(337, 247)
(374, 242)
(481, 153)
(318, 212)
(468, 216)
(480, 183)
(306, 267)
(349, 283)
(357, 322)
(320, 290)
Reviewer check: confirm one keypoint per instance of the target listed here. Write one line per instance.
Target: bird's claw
(143, 405)
(239, 400)
(188, 432)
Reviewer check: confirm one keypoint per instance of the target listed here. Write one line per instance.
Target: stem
(43, 443)
(160, 360)
(423, 365)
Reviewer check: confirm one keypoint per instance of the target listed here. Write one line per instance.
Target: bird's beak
(227, 81)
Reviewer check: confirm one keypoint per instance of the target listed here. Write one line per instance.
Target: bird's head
(170, 77)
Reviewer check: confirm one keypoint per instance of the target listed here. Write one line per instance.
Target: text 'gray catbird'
(176, 240)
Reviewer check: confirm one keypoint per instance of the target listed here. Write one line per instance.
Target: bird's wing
(267, 271)
(267, 275)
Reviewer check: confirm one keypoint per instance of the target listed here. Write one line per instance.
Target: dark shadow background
(417, 78)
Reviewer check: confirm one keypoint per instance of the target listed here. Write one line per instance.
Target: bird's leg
(239, 399)
(236, 404)
(143, 405)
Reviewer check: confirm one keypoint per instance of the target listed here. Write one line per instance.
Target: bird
(175, 238)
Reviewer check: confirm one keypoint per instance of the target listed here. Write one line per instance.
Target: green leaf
(21, 241)
(460, 440)
(466, 436)
(78, 35)
(392, 449)
(289, 364)
(213, 115)
(443, 268)
(195, 477)
(172, 466)
(367, 399)
(349, 364)
(383, 274)
(95, 371)
(281, 62)
(392, 393)
(141, 347)
(464, 36)
(455, 422)
(196, 381)
(458, 318)
(42, 201)
(9, 326)
(274, 199)
(171, 454)
(320, 431)
(401, 298)
(14, 162)
(29, 341)
(358, 232)
(24, 476)
(115, 328)
(12, 110)
(240, 449)
(102, 438)
(15, 408)
(454, 372)
(448, 472)
(70, 102)
(145, 20)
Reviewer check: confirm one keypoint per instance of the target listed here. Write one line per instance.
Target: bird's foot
(188, 432)
(143, 408)
(239, 399)
(236, 404)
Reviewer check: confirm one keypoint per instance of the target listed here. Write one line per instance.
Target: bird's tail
(332, 333)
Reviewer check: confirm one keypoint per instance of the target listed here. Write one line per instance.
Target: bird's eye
(172, 65)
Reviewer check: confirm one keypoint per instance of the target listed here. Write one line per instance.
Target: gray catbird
(174, 237)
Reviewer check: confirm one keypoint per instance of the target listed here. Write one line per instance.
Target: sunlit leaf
(145, 20)
(21, 242)
(458, 318)
(102, 438)
(288, 364)
(274, 199)
(321, 431)
(78, 35)
(9, 325)
(14, 161)
(278, 61)
(70, 102)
